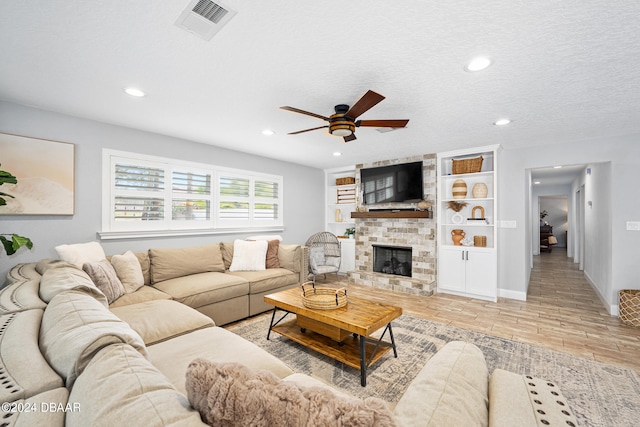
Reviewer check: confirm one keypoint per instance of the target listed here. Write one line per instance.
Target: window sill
(150, 234)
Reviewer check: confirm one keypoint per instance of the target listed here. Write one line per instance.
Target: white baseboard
(613, 308)
(508, 293)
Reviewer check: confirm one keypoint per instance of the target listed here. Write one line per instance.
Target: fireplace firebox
(392, 260)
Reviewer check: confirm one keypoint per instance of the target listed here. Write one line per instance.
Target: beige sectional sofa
(67, 358)
(199, 277)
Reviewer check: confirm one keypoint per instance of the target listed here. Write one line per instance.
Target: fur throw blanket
(230, 394)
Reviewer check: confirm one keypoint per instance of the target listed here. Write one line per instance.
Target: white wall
(598, 236)
(614, 257)
(303, 186)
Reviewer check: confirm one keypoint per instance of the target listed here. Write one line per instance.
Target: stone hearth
(419, 234)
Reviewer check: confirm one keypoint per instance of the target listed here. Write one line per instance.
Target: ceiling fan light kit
(343, 123)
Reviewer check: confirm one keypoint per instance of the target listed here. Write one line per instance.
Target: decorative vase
(459, 189)
(338, 215)
(457, 235)
(479, 190)
(457, 218)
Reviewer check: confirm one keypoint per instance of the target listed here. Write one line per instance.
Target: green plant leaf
(8, 245)
(16, 242)
(7, 178)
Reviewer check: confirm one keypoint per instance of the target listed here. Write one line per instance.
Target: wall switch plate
(633, 225)
(508, 224)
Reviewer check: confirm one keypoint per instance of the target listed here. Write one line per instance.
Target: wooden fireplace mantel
(391, 214)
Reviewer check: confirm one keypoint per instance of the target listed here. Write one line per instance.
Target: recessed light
(502, 122)
(134, 92)
(536, 182)
(268, 132)
(337, 154)
(557, 167)
(478, 64)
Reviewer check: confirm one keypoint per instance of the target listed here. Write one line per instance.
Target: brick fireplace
(416, 235)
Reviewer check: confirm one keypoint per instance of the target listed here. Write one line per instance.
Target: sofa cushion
(267, 280)
(129, 271)
(289, 257)
(159, 320)
(21, 291)
(239, 396)
(61, 277)
(119, 387)
(80, 253)
(226, 248)
(177, 262)
(19, 337)
(451, 389)
(198, 290)
(145, 293)
(75, 327)
(249, 255)
(44, 409)
(172, 357)
(524, 401)
(272, 260)
(103, 275)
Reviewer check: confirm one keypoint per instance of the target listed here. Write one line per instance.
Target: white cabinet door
(480, 273)
(451, 269)
(348, 254)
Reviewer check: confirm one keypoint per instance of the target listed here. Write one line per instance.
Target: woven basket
(466, 165)
(480, 241)
(323, 298)
(346, 180)
(630, 307)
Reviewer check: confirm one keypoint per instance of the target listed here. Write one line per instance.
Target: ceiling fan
(343, 123)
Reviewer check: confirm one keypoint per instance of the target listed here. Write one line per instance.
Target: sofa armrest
(451, 390)
(296, 259)
(526, 401)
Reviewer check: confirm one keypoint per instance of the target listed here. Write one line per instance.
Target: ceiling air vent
(205, 18)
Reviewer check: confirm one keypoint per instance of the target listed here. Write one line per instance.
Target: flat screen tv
(394, 183)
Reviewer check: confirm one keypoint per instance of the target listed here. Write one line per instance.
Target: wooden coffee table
(343, 334)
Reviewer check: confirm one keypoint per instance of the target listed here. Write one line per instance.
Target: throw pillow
(105, 278)
(81, 253)
(249, 255)
(272, 260)
(234, 393)
(129, 271)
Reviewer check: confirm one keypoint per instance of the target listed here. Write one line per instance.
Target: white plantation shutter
(248, 199)
(139, 193)
(191, 195)
(267, 197)
(153, 193)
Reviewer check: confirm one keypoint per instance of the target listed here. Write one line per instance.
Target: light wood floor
(562, 313)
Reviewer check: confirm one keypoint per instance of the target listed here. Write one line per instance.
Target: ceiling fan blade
(383, 123)
(307, 130)
(350, 137)
(367, 101)
(297, 110)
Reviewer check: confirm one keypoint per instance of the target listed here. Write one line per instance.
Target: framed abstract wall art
(44, 172)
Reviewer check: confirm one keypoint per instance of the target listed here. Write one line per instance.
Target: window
(146, 193)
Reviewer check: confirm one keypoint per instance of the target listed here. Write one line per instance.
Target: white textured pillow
(81, 253)
(129, 271)
(249, 255)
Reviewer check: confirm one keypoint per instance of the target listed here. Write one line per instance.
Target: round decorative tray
(323, 298)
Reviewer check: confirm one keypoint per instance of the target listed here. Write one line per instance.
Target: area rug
(599, 394)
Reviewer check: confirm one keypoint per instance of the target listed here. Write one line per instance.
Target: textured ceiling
(562, 71)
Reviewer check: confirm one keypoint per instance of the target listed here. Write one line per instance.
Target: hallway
(562, 313)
